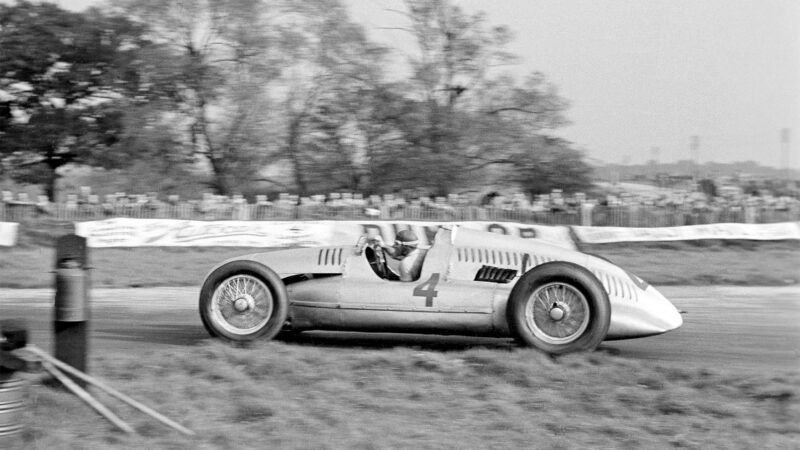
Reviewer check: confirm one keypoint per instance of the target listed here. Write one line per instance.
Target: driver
(405, 250)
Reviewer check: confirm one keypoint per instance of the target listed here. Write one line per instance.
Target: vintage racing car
(472, 283)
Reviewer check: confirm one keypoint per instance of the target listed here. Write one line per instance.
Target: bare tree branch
(512, 108)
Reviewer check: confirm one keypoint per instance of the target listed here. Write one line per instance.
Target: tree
(554, 165)
(297, 87)
(455, 52)
(65, 81)
(463, 118)
(512, 135)
(221, 57)
(329, 105)
(279, 84)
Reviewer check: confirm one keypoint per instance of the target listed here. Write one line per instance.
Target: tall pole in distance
(694, 153)
(655, 154)
(785, 154)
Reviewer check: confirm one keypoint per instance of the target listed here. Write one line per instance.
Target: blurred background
(650, 113)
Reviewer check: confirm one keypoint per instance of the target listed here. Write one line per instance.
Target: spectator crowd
(672, 208)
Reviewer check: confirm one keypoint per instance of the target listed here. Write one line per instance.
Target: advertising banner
(8, 234)
(748, 231)
(194, 233)
(556, 235)
(123, 232)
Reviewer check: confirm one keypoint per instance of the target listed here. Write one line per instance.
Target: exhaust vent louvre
(330, 257)
(495, 274)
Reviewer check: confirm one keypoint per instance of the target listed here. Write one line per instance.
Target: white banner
(123, 232)
(426, 230)
(8, 234)
(760, 232)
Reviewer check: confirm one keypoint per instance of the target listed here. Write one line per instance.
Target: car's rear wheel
(559, 308)
(243, 301)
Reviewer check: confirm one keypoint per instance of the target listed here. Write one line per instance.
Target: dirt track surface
(736, 328)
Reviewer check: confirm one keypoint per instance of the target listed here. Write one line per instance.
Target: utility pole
(655, 155)
(694, 154)
(785, 154)
(625, 161)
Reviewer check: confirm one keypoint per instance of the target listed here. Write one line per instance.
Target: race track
(737, 328)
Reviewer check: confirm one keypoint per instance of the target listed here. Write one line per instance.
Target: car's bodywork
(465, 287)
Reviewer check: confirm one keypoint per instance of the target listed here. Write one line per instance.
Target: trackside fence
(597, 215)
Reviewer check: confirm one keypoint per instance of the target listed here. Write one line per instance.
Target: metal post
(586, 214)
(694, 148)
(71, 315)
(786, 160)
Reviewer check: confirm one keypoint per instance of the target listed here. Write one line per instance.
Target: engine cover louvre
(493, 274)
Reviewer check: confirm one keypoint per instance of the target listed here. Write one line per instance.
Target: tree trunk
(292, 147)
(199, 129)
(50, 189)
(52, 179)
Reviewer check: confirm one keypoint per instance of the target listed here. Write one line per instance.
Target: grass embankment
(707, 262)
(281, 396)
(701, 262)
(290, 395)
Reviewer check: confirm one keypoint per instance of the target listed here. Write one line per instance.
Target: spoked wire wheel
(557, 313)
(559, 307)
(243, 300)
(242, 304)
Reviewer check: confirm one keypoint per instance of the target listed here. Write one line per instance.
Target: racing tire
(559, 307)
(242, 301)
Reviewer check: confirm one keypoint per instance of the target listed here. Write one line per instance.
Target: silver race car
(472, 283)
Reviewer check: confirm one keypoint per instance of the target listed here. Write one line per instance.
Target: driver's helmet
(407, 238)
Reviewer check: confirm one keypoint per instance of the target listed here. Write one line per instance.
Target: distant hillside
(743, 170)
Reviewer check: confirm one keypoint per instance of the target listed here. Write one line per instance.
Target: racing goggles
(407, 243)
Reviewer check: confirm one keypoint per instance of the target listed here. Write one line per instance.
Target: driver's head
(405, 242)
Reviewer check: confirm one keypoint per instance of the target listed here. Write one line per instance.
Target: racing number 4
(427, 289)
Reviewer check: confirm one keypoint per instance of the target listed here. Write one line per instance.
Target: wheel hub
(242, 304)
(557, 313)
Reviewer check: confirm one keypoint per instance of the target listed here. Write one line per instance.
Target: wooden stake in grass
(91, 401)
(111, 391)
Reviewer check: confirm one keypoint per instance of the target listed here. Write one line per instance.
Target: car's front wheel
(559, 307)
(243, 301)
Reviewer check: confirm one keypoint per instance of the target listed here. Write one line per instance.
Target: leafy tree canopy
(234, 87)
(65, 78)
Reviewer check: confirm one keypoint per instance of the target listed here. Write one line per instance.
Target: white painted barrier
(123, 232)
(556, 235)
(8, 234)
(758, 232)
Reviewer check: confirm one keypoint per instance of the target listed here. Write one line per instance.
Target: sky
(646, 76)
(650, 74)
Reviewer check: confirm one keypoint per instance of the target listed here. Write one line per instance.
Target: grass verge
(684, 263)
(707, 262)
(275, 394)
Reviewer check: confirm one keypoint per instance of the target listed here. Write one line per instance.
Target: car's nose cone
(651, 314)
(664, 314)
